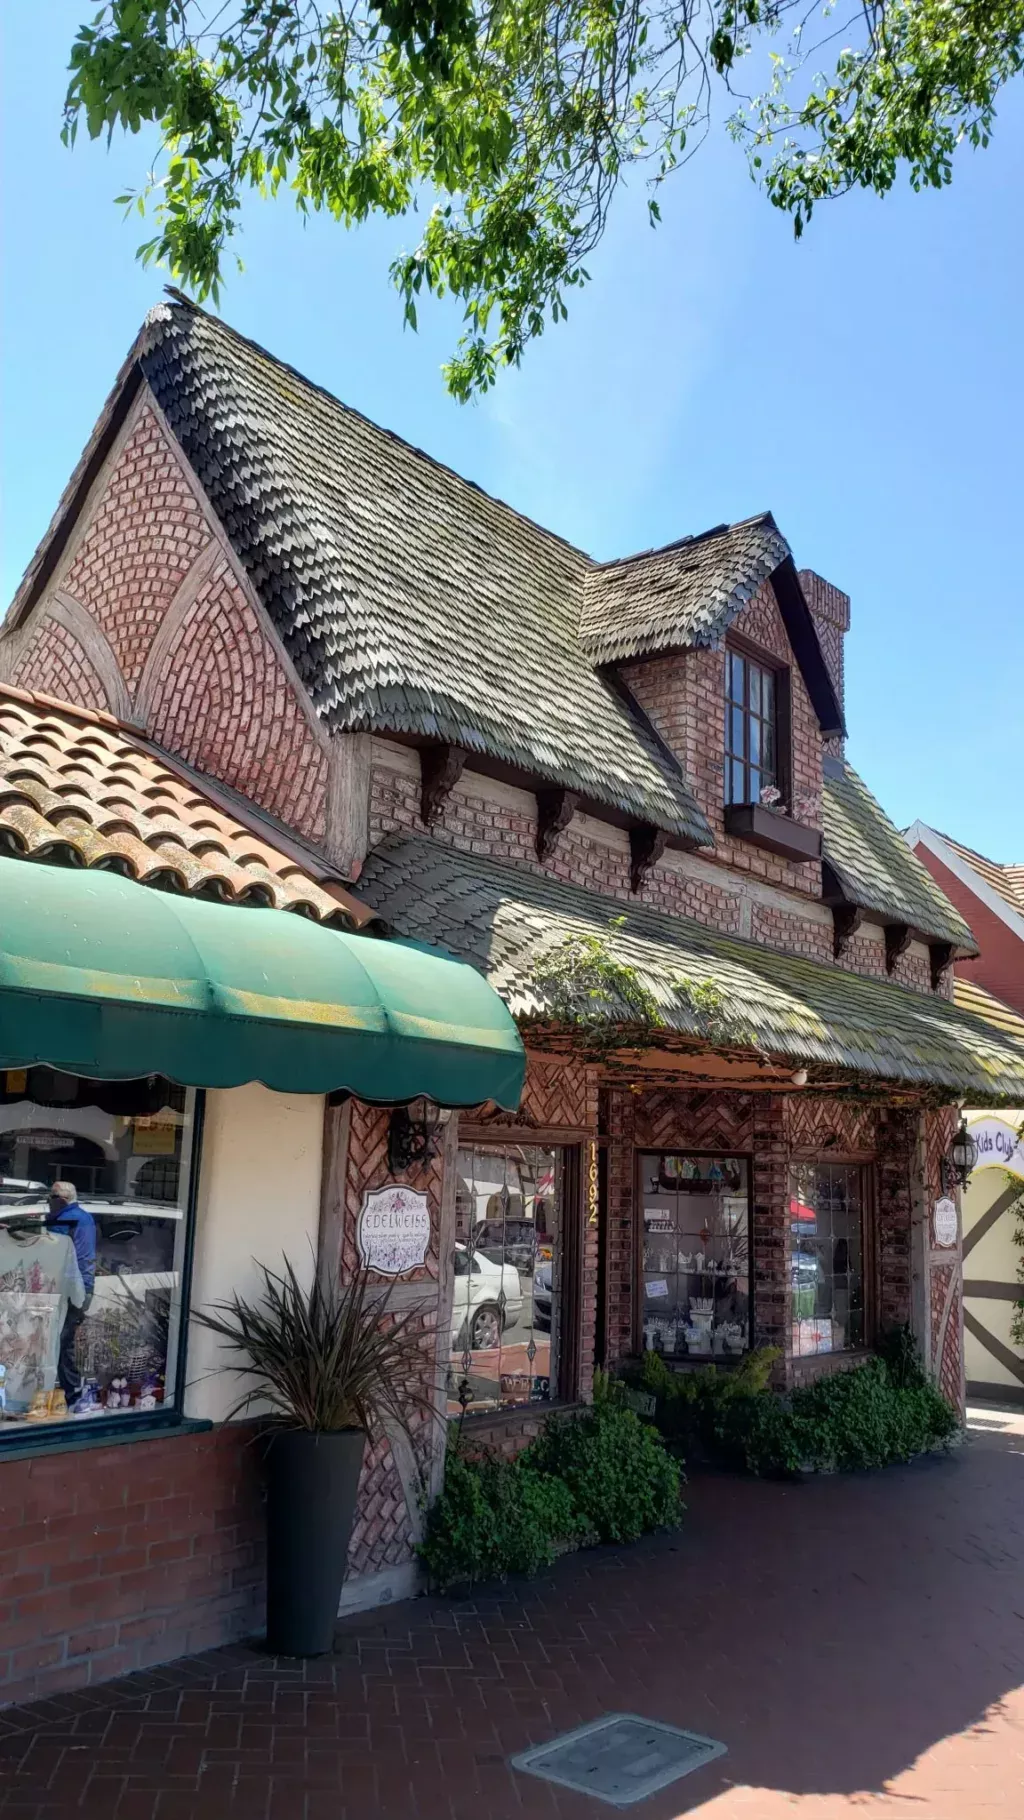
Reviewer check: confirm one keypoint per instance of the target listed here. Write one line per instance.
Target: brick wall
(831, 610)
(145, 534)
(685, 698)
(226, 705)
(54, 663)
(115, 1558)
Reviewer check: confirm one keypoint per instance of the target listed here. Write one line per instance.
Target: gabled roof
(413, 603)
(79, 789)
(503, 919)
(689, 594)
(873, 867)
(684, 594)
(1008, 881)
(999, 888)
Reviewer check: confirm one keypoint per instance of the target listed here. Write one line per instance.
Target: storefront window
(696, 1255)
(826, 1211)
(94, 1197)
(507, 1304)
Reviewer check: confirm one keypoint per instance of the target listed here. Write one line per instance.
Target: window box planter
(777, 833)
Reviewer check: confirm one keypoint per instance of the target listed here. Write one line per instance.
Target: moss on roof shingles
(502, 920)
(877, 870)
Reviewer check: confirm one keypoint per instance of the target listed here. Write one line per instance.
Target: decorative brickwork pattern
(147, 531)
(676, 1119)
(226, 705)
(54, 663)
(945, 1289)
(114, 1559)
(818, 1126)
(381, 1534)
(559, 1092)
(368, 1169)
(897, 1132)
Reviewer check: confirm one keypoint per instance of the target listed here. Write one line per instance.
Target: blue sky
(866, 384)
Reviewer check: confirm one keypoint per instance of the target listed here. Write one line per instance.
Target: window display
(827, 1221)
(506, 1303)
(696, 1255)
(94, 1193)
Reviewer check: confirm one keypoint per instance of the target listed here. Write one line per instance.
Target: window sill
(76, 1437)
(777, 833)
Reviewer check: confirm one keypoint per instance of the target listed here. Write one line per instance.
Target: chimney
(830, 610)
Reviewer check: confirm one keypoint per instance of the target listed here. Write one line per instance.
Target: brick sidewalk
(858, 1644)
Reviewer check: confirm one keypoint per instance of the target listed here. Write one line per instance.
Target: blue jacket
(80, 1227)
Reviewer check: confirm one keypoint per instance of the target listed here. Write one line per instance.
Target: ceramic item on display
(88, 1401)
(715, 1174)
(691, 1170)
(148, 1393)
(118, 1394)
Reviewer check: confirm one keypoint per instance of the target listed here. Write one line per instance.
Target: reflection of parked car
(488, 1297)
(542, 1297)
(507, 1242)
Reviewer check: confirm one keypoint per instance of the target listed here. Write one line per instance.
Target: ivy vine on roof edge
(587, 987)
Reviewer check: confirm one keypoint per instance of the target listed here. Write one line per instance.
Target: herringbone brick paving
(857, 1643)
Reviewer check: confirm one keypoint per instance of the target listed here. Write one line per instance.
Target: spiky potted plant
(326, 1364)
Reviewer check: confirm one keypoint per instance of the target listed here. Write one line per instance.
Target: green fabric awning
(103, 977)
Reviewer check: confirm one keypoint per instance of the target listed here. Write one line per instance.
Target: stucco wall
(259, 1201)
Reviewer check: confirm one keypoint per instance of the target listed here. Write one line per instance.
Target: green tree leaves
(514, 121)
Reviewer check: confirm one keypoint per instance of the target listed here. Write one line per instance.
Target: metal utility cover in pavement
(620, 1759)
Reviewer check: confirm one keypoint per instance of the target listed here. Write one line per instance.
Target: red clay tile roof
(79, 788)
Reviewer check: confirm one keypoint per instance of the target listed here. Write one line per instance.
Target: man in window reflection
(68, 1217)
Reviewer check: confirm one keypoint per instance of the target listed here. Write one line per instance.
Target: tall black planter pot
(312, 1482)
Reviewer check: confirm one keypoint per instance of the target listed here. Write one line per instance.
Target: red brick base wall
(115, 1558)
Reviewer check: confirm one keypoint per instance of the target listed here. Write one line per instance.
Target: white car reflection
(488, 1297)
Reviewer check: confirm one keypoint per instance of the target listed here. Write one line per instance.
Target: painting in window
(507, 1293)
(696, 1255)
(826, 1210)
(751, 761)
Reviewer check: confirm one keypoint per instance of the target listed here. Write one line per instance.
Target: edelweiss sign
(394, 1230)
(999, 1146)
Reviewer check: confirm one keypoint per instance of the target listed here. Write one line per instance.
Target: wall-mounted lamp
(799, 1077)
(414, 1134)
(955, 1169)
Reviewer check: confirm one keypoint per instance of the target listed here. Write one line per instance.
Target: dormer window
(751, 730)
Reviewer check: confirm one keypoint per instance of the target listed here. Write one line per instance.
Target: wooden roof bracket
(440, 770)
(846, 920)
(646, 846)
(555, 810)
(940, 955)
(897, 941)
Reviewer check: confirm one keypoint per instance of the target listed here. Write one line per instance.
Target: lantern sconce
(414, 1134)
(955, 1169)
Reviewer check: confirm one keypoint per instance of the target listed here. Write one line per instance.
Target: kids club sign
(999, 1145)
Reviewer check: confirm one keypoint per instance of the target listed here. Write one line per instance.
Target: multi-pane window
(826, 1211)
(696, 1255)
(751, 732)
(507, 1304)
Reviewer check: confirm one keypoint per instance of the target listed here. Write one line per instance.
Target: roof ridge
(692, 537)
(370, 422)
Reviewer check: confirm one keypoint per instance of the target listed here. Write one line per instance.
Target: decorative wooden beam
(646, 846)
(846, 920)
(440, 770)
(940, 954)
(555, 810)
(897, 941)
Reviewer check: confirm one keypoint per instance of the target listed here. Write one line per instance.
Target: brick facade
(144, 536)
(55, 663)
(225, 703)
(114, 1558)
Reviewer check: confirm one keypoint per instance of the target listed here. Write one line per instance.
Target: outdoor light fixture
(414, 1134)
(955, 1169)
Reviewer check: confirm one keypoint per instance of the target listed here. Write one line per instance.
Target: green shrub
(621, 1478)
(493, 1518)
(881, 1412)
(863, 1418)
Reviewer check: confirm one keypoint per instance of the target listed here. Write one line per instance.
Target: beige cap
(66, 1191)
